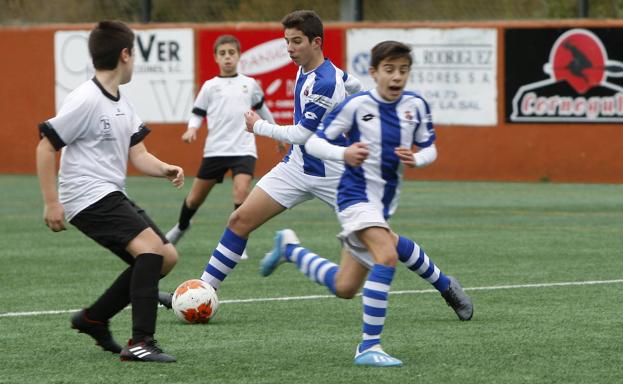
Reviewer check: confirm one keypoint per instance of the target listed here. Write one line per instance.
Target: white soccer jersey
(383, 126)
(223, 102)
(95, 131)
(316, 92)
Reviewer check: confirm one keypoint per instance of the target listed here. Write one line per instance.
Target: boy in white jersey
(381, 126)
(222, 100)
(300, 177)
(98, 132)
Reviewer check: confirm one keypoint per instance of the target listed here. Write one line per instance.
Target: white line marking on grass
(315, 297)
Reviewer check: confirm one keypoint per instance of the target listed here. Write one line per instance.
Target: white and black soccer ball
(195, 301)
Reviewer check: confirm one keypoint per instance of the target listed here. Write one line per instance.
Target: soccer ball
(195, 301)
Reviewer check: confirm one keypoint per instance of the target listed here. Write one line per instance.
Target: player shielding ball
(98, 132)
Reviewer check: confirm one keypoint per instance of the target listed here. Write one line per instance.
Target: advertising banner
(453, 69)
(164, 71)
(265, 58)
(564, 75)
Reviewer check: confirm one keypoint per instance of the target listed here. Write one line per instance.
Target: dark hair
(226, 39)
(106, 42)
(305, 21)
(389, 50)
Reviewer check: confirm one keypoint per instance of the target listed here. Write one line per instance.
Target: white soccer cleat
(276, 256)
(375, 356)
(244, 255)
(175, 234)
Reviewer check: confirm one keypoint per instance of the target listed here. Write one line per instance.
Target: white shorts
(355, 218)
(290, 187)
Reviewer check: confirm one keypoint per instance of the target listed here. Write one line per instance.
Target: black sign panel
(564, 75)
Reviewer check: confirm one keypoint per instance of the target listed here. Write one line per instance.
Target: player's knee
(170, 257)
(193, 202)
(239, 223)
(345, 290)
(389, 259)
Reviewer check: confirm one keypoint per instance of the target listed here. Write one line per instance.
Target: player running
(381, 125)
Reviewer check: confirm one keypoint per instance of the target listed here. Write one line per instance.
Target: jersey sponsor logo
(577, 89)
(368, 117)
(320, 100)
(311, 115)
(105, 129)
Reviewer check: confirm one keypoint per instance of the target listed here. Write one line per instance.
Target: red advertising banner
(265, 58)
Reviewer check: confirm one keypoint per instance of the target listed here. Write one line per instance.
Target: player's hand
(281, 147)
(250, 117)
(54, 216)
(175, 174)
(355, 154)
(190, 135)
(406, 156)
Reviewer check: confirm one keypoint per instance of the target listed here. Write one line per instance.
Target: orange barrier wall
(511, 152)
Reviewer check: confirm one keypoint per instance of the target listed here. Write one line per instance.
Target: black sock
(116, 297)
(144, 295)
(185, 215)
(236, 206)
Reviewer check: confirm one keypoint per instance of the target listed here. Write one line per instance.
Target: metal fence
(23, 12)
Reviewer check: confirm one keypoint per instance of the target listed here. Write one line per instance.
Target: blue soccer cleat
(376, 357)
(276, 256)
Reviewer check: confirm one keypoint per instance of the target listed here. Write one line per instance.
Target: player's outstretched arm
(150, 165)
(53, 212)
(293, 134)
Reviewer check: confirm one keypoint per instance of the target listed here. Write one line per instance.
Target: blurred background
(165, 11)
(520, 90)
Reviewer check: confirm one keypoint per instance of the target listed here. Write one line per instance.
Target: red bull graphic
(583, 84)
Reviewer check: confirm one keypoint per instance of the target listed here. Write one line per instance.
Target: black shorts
(215, 168)
(113, 222)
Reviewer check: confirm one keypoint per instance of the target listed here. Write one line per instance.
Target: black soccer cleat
(145, 351)
(98, 330)
(456, 298)
(166, 299)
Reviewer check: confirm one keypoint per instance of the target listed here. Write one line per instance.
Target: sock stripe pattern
(375, 295)
(224, 258)
(317, 268)
(414, 258)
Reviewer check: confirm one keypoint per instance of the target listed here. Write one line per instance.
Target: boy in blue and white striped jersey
(381, 126)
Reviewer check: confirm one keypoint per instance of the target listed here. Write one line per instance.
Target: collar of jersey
(104, 91)
(227, 77)
(312, 70)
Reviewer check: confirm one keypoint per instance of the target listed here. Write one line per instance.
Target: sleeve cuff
(139, 136)
(45, 129)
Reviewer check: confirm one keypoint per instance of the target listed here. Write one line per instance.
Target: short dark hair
(389, 50)
(106, 42)
(226, 39)
(305, 21)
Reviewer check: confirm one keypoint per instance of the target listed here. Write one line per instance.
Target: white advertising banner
(453, 69)
(162, 87)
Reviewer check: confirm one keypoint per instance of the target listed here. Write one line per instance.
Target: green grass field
(512, 245)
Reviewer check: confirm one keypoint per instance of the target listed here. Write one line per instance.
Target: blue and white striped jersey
(383, 126)
(317, 93)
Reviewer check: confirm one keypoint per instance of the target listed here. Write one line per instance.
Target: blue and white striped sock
(375, 295)
(416, 260)
(318, 269)
(224, 258)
